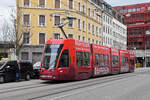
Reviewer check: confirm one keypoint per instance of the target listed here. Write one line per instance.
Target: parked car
(36, 69)
(14, 70)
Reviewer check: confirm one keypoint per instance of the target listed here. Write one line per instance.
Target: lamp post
(135, 52)
(145, 55)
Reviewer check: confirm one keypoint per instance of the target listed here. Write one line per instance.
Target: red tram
(69, 59)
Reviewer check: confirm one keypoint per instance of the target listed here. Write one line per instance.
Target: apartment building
(138, 26)
(114, 31)
(39, 20)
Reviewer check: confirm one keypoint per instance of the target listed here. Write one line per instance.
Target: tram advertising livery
(69, 59)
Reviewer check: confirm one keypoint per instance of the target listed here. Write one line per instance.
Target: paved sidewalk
(143, 69)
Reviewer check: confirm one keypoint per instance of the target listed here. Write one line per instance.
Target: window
(79, 58)
(79, 37)
(41, 20)
(70, 25)
(101, 59)
(64, 59)
(107, 60)
(57, 3)
(26, 38)
(124, 61)
(89, 40)
(79, 6)
(93, 12)
(89, 27)
(99, 30)
(96, 41)
(83, 25)
(138, 9)
(86, 59)
(41, 38)
(83, 38)
(57, 20)
(93, 29)
(99, 42)
(70, 4)
(24, 56)
(26, 3)
(96, 30)
(115, 60)
(70, 36)
(79, 23)
(56, 36)
(148, 8)
(89, 12)
(92, 40)
(147, 31)
(26, 19)
(96, 60)
(83, 9)
(42, 3)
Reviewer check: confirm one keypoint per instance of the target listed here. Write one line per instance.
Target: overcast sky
(125, 2)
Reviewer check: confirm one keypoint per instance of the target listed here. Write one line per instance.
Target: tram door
(83, 65)
(63, 66)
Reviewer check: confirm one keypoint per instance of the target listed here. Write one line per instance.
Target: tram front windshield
(51, 54)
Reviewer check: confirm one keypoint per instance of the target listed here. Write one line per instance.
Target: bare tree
(6, 33)
(13, 30)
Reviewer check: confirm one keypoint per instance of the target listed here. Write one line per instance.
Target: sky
(125, 2)
(5, 5)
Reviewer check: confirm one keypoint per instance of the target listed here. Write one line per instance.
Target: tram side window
(115, 60)
(106, 60)
(122, 61)
(79, 58)
(96, 60)
(64, 59)
(86, 59)
(126, 61)
(101, 56)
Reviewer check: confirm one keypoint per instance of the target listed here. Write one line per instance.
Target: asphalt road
(129, 86)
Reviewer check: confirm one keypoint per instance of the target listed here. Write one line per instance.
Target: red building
(137, 19)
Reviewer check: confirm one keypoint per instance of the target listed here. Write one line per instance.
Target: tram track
(6, 90)
(20, 86)
(59, 90)
(46, 89)
(42, 84)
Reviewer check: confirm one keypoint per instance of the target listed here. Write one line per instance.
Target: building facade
(39, 20)
(137, 18)
(119, 34)
(114, 31)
